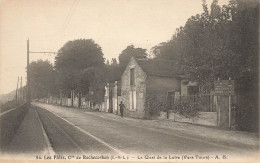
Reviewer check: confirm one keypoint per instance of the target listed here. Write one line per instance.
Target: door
(223, 117)
(170, 100)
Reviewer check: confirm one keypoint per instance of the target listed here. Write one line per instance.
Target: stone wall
(114, 98)
(205, 118)
(139, 88)
(69, 101)
(76, 102)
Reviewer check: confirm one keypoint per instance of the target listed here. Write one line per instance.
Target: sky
(112, 24)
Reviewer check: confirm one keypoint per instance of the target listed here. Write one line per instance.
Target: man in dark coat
(122, 107)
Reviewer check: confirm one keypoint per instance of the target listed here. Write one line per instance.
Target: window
(132, 76)
(132, 100)
(193, 90)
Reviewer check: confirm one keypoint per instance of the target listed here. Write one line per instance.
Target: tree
(114, 61)
(129, 52)
(113, 71)
(245, 28)
(107, 62)
(42, 79)
(75, 56)
(206, 46)
(221, 43)
(96, 77)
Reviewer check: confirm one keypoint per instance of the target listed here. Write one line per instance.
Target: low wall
(76, 102)
(9, 123)
(204, 118)
(162, 116)
(64, 101)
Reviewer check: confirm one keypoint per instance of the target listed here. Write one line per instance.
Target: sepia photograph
(129, 81)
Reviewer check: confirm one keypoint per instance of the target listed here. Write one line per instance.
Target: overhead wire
(70, 14)
(70, 10)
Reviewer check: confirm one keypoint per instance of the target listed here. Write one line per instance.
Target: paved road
(73, 131)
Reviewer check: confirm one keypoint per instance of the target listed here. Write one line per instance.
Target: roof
(160, 68)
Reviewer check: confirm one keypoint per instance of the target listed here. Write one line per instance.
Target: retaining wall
(204, 118)
(10, 122)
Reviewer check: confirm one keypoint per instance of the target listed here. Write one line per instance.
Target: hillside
(7, 97)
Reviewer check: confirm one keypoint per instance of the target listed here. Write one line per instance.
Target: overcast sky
(113, 24)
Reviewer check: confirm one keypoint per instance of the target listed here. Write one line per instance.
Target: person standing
(122, 107)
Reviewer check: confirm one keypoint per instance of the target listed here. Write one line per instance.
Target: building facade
(144, 78)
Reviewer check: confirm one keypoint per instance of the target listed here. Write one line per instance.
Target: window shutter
(134, 100)
(130, 100)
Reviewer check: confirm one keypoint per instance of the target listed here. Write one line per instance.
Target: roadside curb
(209, 138)
(49, 147)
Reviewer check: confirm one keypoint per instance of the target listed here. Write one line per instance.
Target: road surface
(72, 131)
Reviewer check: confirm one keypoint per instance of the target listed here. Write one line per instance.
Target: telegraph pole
(21, 89)
(16, 96)
(28, 87)
(28, 97)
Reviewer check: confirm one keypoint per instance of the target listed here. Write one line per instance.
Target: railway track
(68, 138)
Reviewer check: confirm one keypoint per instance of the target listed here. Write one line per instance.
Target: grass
(10, 122)
(10, 105)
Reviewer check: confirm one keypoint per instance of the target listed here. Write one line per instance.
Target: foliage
(79, 54)
(154, 104)
(9, 105)
(114, 71)
(187, 107)
(96, 79)
(129, 52)
(114, 61)
(75, 56)
(216, 44)
(42, 77)
(220, 43)
(247, 103)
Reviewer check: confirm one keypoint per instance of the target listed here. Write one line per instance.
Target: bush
(247, 117)
(154, 104)
(187, 107)
(247, 103)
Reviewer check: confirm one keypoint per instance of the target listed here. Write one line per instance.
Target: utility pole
(21, 89)
(28, 91)
(28, 97)
(16, 96)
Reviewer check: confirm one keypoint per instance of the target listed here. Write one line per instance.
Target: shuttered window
(132, 76)
(132, 100)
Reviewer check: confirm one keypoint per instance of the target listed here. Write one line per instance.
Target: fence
(204, 118)
(205, 101)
